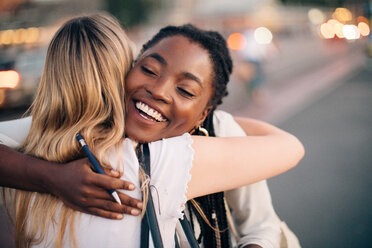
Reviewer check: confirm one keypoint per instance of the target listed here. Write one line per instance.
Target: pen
(96, 164)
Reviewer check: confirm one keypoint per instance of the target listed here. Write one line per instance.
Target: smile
(149, 113)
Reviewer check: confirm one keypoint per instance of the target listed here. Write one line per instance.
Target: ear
(204, 115)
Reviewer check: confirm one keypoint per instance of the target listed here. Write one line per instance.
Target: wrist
(45, 176)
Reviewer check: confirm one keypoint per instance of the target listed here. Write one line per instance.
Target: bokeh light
(263, 35)
(237, 41)
(338, 30)
(333, 22)
(351, 32)
(342, 15)
(362, 19)
(316, 16)
(2, 97)
(327, 31)
(6, 37)
(32, 35)
(9, 79)
(19, 36)
(364, 29)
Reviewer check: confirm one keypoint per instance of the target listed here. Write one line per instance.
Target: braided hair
(212, 206)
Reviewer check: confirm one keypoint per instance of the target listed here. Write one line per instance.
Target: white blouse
(171, 161)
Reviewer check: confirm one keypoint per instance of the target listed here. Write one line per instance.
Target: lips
(148, 112)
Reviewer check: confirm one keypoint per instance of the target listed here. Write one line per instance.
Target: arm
(234, 162)
(254, 217)
(75, 183)
(254, 127)
(14, 173)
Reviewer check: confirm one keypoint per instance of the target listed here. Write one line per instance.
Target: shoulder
(13, 132)
(171, 149)
(220, 115)
(16, 123)
(225, 125)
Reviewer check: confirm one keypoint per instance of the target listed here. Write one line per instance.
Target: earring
(203, 131)
(192, 131)
(198, 130)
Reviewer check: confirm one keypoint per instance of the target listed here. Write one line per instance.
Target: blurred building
(216, 12)
(26, 27)
(26, 13)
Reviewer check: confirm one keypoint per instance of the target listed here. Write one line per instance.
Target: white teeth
(150, 111)
(145, 108)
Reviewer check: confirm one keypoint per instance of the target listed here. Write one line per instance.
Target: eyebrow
(187, 75)
(191, 76)
(159, 58)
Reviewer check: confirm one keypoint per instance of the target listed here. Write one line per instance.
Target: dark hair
(212, 205)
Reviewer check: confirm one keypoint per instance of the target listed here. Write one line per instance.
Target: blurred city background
(304, 65)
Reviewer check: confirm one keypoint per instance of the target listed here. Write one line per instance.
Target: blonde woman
(82, 90)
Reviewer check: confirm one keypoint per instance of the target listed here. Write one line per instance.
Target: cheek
(188, 115)
(133, 81)
(128, 86)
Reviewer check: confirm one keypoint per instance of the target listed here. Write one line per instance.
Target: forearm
(23, 172)
(244, 159)
(74, 183)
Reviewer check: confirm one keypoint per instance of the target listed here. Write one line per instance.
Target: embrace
(166, 97)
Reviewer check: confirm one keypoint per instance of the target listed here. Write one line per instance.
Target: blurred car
(20, 77)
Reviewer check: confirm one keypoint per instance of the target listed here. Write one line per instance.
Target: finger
(96, 211)
(112, 173)
(107, 182)
(130, 201)
(94, 192)
(111, 206)
(104, 213)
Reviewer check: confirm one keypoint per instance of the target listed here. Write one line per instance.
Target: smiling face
(168, 90)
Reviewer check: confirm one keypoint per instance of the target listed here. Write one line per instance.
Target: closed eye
(148, 71)
(185, 92)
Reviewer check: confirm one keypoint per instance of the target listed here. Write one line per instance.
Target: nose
(161, 90)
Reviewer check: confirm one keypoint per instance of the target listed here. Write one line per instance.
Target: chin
(133, 134)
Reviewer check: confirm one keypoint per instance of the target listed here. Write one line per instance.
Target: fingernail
(114, 173)
(131, 186)
(134, 212)
(119, 216)
(139, 205)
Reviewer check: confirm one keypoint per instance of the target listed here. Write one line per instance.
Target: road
(327, 199)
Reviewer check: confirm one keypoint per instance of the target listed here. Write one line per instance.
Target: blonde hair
(81, 91)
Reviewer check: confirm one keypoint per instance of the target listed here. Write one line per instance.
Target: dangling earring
(203, 131)
(198, 130)
(192, 131)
